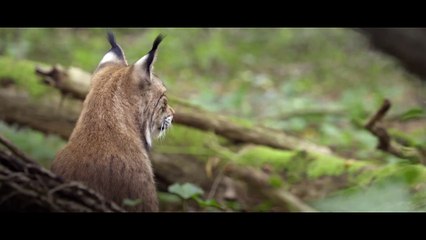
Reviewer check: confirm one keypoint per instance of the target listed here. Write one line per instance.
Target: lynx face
(162, 117)
(162, 114)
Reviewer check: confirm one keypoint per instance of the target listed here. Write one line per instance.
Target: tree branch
(14, 149)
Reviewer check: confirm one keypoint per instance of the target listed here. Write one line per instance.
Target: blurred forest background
(317, 85)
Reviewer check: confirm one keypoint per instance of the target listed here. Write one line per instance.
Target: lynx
(124, 110)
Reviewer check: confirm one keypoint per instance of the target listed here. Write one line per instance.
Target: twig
(14, 149)
(215, 184)
(380, 132)
(386, 105)
(385, 141)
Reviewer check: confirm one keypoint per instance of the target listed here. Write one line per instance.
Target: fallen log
(26, 186)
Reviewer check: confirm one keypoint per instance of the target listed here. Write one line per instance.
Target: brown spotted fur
(107, 149)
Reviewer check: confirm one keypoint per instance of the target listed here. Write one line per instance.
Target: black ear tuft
(115, 48)
(111, 40)
(114, 55)
(153, 51)
(157, 42)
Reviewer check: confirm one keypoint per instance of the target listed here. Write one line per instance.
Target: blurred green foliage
(189, 191)
(319, 84)
(185, 191)
(23, 75)
(381, 197)
(33, 143)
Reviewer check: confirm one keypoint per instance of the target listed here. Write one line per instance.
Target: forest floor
(320, 85)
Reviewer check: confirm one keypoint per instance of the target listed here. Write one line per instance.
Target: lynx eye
(164, 106)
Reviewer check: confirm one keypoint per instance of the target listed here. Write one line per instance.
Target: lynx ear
(115, 54)
(145, 65)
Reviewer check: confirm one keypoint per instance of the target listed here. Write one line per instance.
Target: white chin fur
(166, 125)
(148, 138)
(162, 133)
(156, 133)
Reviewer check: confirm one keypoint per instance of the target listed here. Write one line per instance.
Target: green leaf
(132, 202)
(413, 113)
(185, 191)
(208, 203)
(168, 197)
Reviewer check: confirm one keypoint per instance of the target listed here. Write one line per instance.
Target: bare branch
(386, 143)
(14, 149)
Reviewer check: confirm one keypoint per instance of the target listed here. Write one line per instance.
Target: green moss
(276, 181)
(260, 155)
(325, 166)
(298, 164)
(409, 173)
(242, 122)
(177, 136)
(291, 162)
(22, 72)
(178, 141)
(356, 166)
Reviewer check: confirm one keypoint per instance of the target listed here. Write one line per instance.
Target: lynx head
(133, 98)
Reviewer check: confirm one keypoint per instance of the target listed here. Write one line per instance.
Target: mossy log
(75, 82)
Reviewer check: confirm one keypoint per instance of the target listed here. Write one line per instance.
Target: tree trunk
(408, 45)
